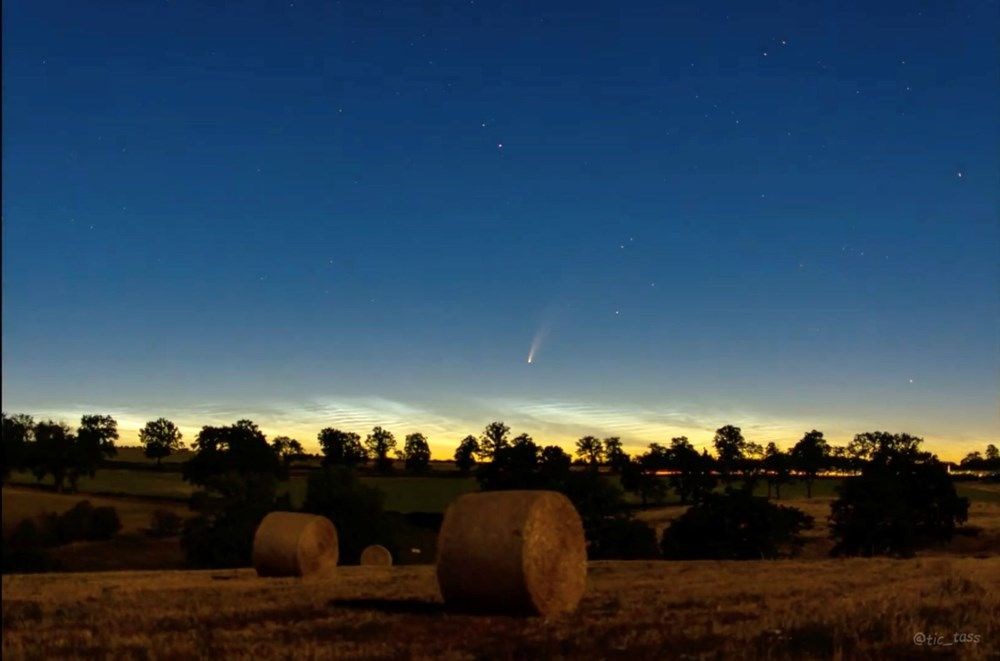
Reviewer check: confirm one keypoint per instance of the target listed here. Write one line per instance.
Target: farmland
(857, 607)
(809, 606)
(402, 493)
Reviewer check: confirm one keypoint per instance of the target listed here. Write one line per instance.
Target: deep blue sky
(332, 214)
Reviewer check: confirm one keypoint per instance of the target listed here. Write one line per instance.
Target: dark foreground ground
(788, 609)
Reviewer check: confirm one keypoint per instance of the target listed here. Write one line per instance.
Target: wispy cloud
(549, 421)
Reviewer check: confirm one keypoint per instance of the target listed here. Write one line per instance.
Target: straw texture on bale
(376, 555)
(294, 544)
(512, 552)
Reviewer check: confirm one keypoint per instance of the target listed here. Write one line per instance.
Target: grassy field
(20, 503)
(402, 493)
(779, 609)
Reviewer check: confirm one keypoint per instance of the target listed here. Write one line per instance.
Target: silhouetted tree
(992, 453)
(839, 459)
(903, 500)
(18, 433)
(730, 447)
(693, 478)
(972, 460)
(778, 465)
(877, 446)
(341, 448)
(523, 454)
(95, 440)
(160, 438)
(416, 453)
(810, 456)
(240, 449)
(379, 443)
(751, 466)
(591, 450)
(53, 452)
(553, 464)
(614, 454)
(639, 477)
(355, 508)
(514, 466)
(287, 449)
(735, 525)
(656, 457)
(238, 471)
(57, 451)
(465, 454)
(493, 439)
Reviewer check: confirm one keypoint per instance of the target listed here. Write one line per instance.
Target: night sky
(317, 214)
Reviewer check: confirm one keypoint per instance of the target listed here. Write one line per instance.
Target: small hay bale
(376, 555)
(512, 551)
(293, 544)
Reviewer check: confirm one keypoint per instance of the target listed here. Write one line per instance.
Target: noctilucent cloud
(641, 219)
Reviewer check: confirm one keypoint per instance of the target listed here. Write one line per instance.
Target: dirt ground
(785, 609)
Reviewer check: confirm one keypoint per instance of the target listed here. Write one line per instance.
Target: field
(402, 493)
(140, 492)
(810, 606)
(788, 609)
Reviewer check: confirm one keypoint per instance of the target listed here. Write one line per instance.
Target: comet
(536, 343)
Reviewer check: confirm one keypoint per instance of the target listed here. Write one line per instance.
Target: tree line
(48, 448)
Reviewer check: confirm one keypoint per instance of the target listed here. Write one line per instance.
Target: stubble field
(785, 609)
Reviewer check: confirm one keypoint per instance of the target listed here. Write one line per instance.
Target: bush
(24, 550)
(73, 524)
(621, 538)
(736, 526)
(164, 523)
(81, 522)
(104, 524)
(354, 508)
(895, 507)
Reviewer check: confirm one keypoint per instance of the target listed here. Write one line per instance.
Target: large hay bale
(293, 544)
(376, 555)
(512, 551)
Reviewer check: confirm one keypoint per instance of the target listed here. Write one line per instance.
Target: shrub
(737, 526)
(73, 524)
(164, 523)
(104, 524)
(621, 538)
(81, 522)
(895, 507)
(24, 550)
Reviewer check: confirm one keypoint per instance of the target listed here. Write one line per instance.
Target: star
(499, 145)
(959, 174)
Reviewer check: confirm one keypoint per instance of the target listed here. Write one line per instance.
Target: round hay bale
(294, 544)
(376, 555)
(512, 551)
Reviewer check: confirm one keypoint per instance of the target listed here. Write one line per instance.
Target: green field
(402, 494)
